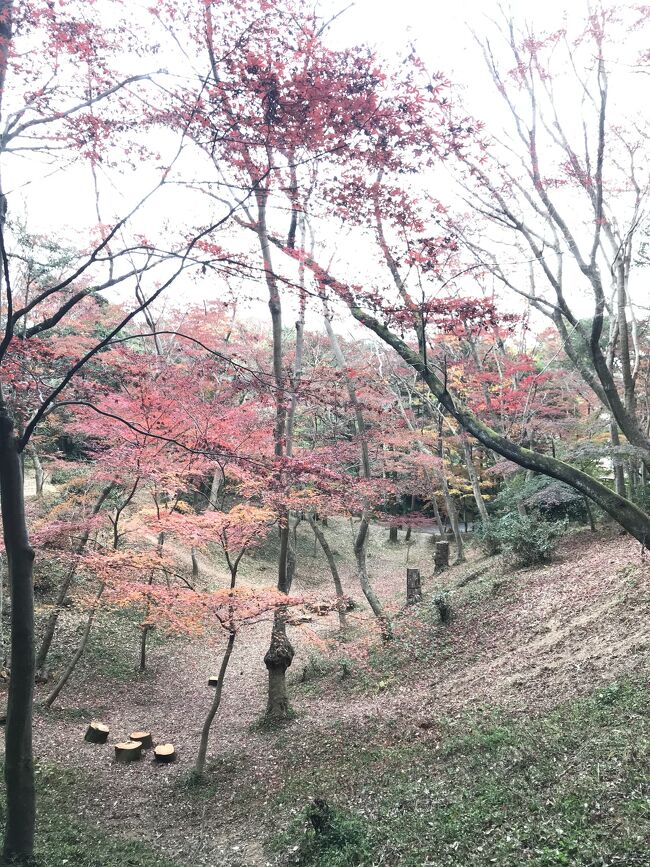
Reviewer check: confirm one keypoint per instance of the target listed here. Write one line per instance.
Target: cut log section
(129, 751)
(144, 738)
(213, 681)
(96, 733)
(164, 753)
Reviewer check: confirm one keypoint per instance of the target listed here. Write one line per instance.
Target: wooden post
(441, 557)
(392, 535)
(413, 587)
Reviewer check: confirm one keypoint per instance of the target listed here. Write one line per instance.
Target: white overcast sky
(441, 32)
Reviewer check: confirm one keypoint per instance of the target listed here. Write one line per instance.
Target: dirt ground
(523, 641)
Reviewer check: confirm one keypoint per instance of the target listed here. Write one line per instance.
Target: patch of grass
(61, 839)
(340, 841)
(567, 788)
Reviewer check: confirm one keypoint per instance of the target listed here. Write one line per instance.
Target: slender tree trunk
(147, 627)
(64, 587)
(438, 517)
(329, 556)
(19, 763)
(280, 653)
(65, 677)
(474, 479)
(39, 476)
(361, 540)
(199, 766)
(619, 469)
(195, 564)
(360, 545)
(215, 489)
(452, 512)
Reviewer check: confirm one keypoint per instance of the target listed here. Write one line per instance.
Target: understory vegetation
(566, 787)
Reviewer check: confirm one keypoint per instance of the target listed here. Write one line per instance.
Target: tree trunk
(215, 489)
(19, 763)
(360, 544)
(277, 659)
(438, 517)
(199, 766)
(474, 479)
(452, 512)
(617, 461)
(52, 620)
(65, 677)
(39, 476)
(393, 536)
(340, 597)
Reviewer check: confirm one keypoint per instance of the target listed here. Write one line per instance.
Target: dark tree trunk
(278, 658)
(65, 677)
(19, 763)
(393, 536)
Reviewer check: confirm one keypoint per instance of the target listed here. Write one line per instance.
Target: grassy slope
(569, 787)
(61, 840)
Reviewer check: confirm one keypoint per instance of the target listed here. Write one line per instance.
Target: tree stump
(444, 610)
(144, 738)
(393, 538)
(128, 751)
(96, 733)
(213, 681)
(164, 753)
(413, 586)
(441, 557)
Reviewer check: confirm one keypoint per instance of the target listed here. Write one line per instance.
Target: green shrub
(328, 837)
(526, 540)
(488, 537)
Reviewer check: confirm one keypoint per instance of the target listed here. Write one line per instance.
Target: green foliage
(551, 499)
(341, 842)
(565, 788)
(488, 536)
(62, 840)
(525, 540)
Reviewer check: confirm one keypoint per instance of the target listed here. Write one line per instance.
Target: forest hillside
(514, 732)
